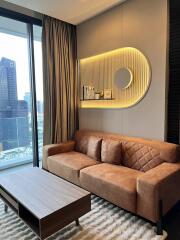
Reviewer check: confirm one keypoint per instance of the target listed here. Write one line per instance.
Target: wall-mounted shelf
(103, 104)
(101, 99)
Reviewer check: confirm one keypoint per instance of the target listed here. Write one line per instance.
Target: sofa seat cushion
(116, 184)
(67, 165)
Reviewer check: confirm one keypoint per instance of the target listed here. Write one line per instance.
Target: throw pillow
(94, 148)
(111, 151)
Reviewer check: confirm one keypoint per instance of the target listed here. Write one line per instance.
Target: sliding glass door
(21, 109)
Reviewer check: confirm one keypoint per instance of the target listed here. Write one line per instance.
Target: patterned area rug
(104, 222)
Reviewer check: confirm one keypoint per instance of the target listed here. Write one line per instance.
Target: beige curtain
(60, 80)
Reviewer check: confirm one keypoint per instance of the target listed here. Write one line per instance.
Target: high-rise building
(3, 88)
(14, 123)
(10, 67)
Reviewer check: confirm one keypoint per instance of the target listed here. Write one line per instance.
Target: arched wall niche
(126, 71)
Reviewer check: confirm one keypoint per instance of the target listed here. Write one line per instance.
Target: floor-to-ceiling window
(21, 96)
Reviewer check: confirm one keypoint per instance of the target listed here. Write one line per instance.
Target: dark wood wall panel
(174, 72)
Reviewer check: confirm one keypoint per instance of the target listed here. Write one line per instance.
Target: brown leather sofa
(139, 175)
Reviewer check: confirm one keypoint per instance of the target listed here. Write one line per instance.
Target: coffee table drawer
(9, 199)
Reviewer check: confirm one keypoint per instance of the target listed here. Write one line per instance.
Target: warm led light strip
(99, 71)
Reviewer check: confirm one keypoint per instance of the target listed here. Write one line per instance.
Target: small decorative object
(91, 92)
(97, 95)
(107, 93)
(85, 92)
(101, 94)
(88, 92)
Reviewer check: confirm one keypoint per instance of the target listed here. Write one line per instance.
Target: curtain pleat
(60, 80)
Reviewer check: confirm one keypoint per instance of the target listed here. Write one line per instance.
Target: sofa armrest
(53, 149)
(159, 183)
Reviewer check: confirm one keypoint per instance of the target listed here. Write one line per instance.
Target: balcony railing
(15, 152)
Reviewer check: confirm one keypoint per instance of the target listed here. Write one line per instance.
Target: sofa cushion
(94, 148)
(116, 184)
(169, 152)
(67, 165)
(82, 143)
(140, 156)
(111, 151)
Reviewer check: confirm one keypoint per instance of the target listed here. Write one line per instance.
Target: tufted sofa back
(137, 153)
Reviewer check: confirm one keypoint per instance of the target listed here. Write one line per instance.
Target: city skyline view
(27, 95)
(15, 118)
(14, 122)
(16, 133)
(16, 48)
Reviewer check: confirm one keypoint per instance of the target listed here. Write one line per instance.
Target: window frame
(30, 21)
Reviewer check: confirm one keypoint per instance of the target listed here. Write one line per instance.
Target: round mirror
(123, 78)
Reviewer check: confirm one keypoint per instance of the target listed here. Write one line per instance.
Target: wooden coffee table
(43, 201)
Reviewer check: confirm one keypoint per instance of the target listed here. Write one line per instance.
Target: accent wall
(141, 24)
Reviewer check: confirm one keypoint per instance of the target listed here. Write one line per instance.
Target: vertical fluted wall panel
(99, 71)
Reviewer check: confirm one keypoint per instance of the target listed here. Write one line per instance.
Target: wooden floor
(171, 221)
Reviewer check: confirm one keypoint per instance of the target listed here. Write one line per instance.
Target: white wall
(136, 23)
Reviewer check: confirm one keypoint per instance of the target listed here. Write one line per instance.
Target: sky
(16, 49)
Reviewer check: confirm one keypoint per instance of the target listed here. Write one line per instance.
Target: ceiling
(72, 11)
